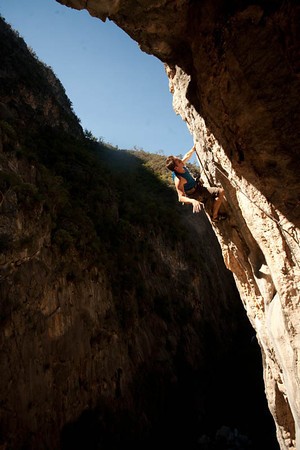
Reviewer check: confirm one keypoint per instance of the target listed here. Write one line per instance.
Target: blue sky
(119, 93)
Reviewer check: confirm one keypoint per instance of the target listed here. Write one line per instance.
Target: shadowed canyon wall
(234, 72)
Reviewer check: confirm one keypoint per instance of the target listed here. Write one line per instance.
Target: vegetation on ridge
(103, 207)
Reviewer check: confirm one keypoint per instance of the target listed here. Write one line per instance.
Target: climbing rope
(201, 165)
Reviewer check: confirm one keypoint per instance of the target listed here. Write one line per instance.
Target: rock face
(234, 72)
(119, 321)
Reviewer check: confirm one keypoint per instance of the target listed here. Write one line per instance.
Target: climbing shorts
(206, 195)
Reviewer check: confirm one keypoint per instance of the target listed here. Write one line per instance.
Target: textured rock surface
(234, 71)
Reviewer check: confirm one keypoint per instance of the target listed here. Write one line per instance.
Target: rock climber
(190, 190)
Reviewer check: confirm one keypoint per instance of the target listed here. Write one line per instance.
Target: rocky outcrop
(234, 72)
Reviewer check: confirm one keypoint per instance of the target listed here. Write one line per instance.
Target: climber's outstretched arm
(188, 154)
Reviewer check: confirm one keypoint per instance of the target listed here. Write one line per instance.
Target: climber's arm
(182, 198)
(188, 154)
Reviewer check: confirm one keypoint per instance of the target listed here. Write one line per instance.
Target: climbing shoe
(220, 218)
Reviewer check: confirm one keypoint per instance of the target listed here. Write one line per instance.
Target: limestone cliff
(234, 71)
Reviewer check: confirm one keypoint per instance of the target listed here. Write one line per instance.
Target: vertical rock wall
(260, 247)
(234, 72)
